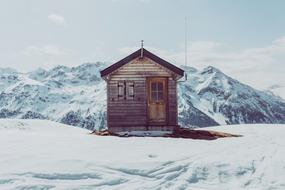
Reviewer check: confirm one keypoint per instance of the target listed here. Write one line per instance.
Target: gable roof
(137, 54)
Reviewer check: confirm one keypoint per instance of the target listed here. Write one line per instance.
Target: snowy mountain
(69, 95)
(51, 157)
(77, 96)
(279, 90)
(226, 100)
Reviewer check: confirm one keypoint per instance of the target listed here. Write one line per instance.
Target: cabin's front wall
(130, 114)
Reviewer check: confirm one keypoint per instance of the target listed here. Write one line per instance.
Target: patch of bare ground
(181, 133)
(200, 134)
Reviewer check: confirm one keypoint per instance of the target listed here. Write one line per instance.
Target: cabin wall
(123, 112)
(131, 113)
(172, 102)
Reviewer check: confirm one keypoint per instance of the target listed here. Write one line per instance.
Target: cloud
(259, 67)
(57, 19)
(48, 56)
(48, 50)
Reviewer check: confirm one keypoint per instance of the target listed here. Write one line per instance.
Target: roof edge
(135, 55)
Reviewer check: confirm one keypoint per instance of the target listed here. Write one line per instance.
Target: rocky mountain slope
(69, 95)
(226, 100)
(77, 96)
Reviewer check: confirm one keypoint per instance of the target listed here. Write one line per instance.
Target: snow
(279, 90)
(77, 96)
(39, 154)
(226, 100)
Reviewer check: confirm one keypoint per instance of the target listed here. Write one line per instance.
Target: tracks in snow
(181, 174)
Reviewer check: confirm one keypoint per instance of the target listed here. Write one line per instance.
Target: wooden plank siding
(131, 114)
(172, 102)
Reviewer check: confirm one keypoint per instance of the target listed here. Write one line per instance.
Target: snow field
(44, 155)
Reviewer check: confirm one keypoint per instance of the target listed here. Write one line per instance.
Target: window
(130, 86)
(126, 90)
(156, 91)
(121, 90)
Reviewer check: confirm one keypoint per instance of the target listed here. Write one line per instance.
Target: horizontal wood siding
(127, 112)
(132, 113)
(143, 128)
(172, 102)
(139, 69)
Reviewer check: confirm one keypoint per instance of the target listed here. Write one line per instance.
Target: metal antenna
(185, 41)
(141, 48)
(185, 47)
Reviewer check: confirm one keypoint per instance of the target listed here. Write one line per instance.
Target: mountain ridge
(77, 96)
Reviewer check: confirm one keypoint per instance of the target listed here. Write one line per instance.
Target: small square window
(153, 86)
(160, 95)
(153, 96)
(159, 86)
(157, 91)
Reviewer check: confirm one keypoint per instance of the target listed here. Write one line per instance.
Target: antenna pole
(185, 41)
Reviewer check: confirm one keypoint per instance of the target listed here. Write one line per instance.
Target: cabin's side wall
(131, 114)
(172, 102)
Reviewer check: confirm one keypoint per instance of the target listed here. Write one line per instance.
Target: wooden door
(157, 100)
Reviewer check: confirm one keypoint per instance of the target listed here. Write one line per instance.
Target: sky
(245, 39)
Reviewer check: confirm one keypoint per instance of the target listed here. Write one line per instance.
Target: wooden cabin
(142, 93)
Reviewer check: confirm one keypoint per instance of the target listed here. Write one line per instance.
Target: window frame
(126, 90)
(155, 93)
(130, 89)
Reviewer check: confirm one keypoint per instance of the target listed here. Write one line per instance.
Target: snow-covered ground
(43, 155)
